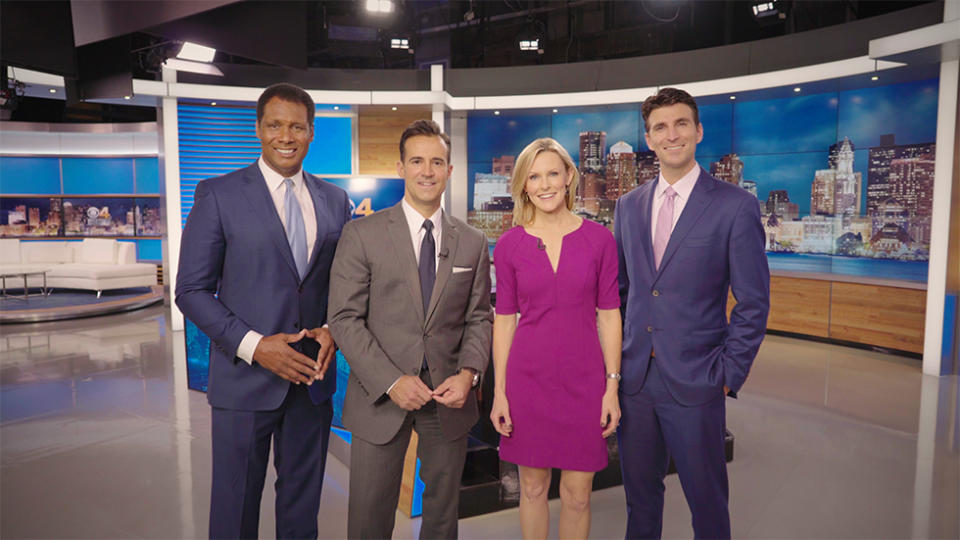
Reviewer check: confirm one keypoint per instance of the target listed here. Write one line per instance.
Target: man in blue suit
(684, 241)
(254, 271)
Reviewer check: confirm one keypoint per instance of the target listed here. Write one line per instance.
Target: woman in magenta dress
(556, 341)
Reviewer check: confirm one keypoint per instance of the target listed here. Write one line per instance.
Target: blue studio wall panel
(147, 173)
(150, 249)
(331, 149)
(90, 176)
(29, 175)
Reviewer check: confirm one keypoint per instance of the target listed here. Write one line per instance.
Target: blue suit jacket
(680, 311)
(237, 274)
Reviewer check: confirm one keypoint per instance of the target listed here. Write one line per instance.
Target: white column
(171, 180)
(940, 216)
(458, 181)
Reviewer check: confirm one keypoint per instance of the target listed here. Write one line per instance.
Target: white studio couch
(95, 264)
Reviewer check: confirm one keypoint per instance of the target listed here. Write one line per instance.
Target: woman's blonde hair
(523, 209)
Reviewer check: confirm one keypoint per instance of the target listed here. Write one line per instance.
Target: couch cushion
(101, 271)
(98, 251)
(46, 251)
(9, 251)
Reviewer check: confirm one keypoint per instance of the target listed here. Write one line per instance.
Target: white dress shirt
(278, 192)
(683, 187)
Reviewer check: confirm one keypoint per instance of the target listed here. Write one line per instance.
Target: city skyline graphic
(842, 173)
(64, 216)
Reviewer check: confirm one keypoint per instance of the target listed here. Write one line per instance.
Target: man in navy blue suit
(684, 241)
(254, 271)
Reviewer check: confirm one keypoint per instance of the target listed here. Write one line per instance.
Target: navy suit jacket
(237, 274)
(679, 311)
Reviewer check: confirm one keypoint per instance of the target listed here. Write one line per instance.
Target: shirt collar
(415, 219)
(275, 179)
(683, 186)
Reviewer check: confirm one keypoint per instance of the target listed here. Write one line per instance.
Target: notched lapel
(255, 190)
(700, 200)
(322, 214)
(403, 247)
(448, 244)
(643, 228)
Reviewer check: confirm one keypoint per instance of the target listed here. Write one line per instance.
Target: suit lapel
(255, 190)
(320, 210)
(644, 212)
(403, 247)
(448, 250)
(700, 199)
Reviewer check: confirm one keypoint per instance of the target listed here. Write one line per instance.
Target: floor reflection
(101, 438)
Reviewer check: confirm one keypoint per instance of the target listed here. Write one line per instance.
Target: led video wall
(844, 179)
(81, 197)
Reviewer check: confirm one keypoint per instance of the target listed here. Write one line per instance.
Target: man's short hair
(286, 92)
(664, 98)
(428, 128)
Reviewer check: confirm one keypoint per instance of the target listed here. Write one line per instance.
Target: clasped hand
(275, 354)
(410, 393)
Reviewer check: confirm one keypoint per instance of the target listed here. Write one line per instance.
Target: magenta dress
(555, 376)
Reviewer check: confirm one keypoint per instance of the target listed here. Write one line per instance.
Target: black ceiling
(120, 38)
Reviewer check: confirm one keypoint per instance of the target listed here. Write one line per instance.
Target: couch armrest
(126, 253)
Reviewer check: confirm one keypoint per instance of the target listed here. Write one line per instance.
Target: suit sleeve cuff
(248, 346)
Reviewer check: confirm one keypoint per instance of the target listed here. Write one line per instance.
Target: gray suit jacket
(376, 316)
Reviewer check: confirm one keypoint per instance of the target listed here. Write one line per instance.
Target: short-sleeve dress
(555, 377)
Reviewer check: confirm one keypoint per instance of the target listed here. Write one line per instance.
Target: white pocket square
(458, 269)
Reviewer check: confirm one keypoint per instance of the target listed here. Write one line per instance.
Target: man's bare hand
(453, 392)
(410, 393)
(328, 349)
(274, 353)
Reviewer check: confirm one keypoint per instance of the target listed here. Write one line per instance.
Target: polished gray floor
(101, 439)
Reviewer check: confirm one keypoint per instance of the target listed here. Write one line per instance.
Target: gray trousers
(375, 476)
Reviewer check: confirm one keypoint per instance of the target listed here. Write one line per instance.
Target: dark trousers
(375, 478)
(300, 431)
(653, 428)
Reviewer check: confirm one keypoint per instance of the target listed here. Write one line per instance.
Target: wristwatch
(476, 376)
(614, 376)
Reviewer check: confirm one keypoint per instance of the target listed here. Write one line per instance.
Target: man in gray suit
(410, 310)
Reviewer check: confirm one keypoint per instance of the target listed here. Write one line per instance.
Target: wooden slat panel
(409, 478)
(378, 133)
(875, 315)
(797, 305)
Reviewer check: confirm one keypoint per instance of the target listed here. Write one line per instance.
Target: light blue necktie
(296, 230)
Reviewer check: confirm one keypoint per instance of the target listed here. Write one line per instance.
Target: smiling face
(285, 134)
(425, 171)
(547, 182)
(673, 135)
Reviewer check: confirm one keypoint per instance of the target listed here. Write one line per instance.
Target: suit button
(656, 292)
(300, 289)
(296, 325)
(650, 329)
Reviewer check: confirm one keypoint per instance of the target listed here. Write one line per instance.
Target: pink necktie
(661, 234)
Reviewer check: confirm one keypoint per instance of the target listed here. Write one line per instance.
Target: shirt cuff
(392, 385)
(248, 346)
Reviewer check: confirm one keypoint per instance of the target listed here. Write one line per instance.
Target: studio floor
(100, 438)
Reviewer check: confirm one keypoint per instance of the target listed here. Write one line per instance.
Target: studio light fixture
(766, 9)
(733, 97)
(197, 53)
(380, 6)
(496, 113)
(796, 88)
(192, 67)
(874, 78)
(399, 43)
(529, 44)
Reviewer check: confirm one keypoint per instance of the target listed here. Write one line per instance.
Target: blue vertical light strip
(213, 141)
